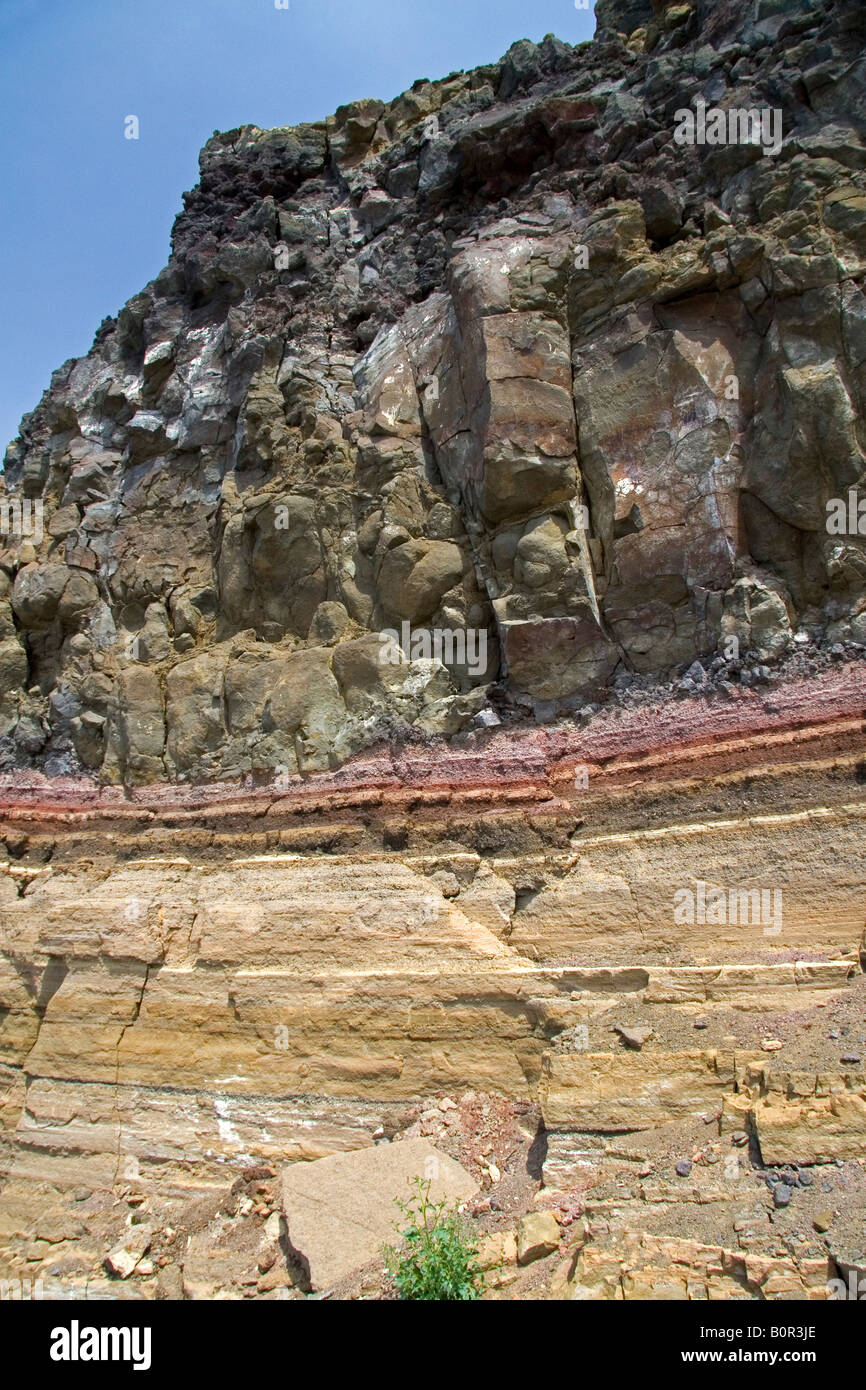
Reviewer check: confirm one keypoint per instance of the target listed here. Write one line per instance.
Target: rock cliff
(499, 364)
(422, 592)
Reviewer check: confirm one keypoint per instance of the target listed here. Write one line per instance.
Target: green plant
(439, 1260)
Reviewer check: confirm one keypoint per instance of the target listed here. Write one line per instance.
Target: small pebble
(782, 1194)
(684, 1167)
(806, 1178)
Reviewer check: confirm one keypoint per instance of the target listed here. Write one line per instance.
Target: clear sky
(86, 214)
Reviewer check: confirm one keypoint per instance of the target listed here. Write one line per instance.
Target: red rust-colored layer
(809, 719)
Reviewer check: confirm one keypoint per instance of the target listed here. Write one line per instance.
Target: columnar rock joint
(497, 356)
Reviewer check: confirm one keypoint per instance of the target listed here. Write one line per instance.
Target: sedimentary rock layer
(176, 981)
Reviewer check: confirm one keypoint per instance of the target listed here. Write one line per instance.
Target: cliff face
(502, 359)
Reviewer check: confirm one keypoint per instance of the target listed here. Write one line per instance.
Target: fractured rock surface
(580, 906)
(498, 357)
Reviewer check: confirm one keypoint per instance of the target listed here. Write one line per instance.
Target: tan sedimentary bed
(185, 987)
(641, 1266)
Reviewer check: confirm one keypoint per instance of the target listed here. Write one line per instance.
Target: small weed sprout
(439, 1260)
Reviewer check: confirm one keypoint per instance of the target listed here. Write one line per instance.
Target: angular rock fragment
(341, 1212)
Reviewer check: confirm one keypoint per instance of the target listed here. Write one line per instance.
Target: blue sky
(86, 214)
